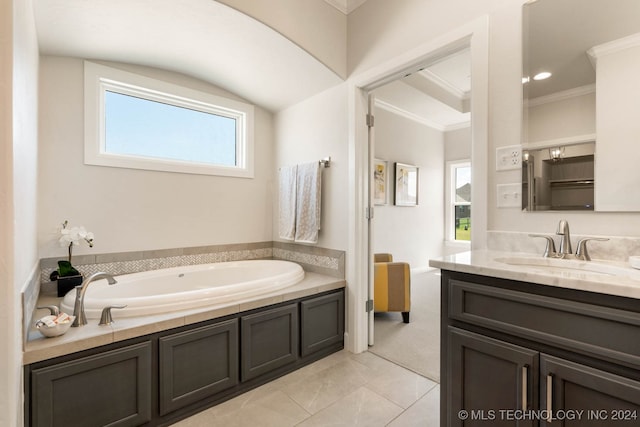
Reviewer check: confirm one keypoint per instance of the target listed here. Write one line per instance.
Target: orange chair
(392, 285)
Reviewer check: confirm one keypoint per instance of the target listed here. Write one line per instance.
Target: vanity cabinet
(112, 388)
(160, 378)
(516, 346)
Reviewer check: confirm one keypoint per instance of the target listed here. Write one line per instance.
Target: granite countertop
(485, 263)
(38, 348)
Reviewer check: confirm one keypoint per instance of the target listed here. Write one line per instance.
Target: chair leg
(405, 316)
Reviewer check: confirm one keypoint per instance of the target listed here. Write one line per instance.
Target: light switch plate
(508, 158)
(509, 195)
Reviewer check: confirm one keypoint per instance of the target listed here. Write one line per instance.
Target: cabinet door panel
(487, 375)
(269, 340)
(196, 364)
(603, 397)
(111, 388)
(322, 321)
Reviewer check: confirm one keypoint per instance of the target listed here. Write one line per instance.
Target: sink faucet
(78, 308)
(565, 240)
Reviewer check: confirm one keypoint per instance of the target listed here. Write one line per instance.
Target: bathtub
(181, 288)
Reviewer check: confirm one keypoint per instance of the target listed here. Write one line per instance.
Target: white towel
(308, 202)
(287, 211)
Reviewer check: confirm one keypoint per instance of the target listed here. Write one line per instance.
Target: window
(459, 201)
(132, 121)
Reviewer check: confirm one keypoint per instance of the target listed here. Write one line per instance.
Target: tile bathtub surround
(317, 260)
(617, 248)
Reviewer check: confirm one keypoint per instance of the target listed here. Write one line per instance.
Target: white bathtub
(180, 288)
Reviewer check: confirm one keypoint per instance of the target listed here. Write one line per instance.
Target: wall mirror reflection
(574, 50)
(558, 178)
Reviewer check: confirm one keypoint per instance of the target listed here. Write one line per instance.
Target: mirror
(587, 47)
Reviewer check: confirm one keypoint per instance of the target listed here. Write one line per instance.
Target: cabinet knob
(105, 318)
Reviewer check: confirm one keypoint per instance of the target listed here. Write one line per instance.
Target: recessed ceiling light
(541, 76)
(525, 79)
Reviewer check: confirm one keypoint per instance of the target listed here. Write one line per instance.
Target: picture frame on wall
(406, 184)
(380, 180)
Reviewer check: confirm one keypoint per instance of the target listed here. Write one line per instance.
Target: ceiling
(558, 34)
(438, 95)
(201, 38)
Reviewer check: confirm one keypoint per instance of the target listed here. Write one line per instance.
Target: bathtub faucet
(78, 308)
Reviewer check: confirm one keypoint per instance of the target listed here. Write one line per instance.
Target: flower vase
(66, 283)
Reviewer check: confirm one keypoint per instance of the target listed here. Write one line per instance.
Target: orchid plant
(70, 236)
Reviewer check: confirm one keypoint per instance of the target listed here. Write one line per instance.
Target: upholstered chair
(392, 285)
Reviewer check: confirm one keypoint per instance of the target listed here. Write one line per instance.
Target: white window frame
(99, 78)
(450, 203)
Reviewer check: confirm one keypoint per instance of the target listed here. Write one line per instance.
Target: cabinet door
(322, 322)
(196, 364)
(111, 388)
(269, 340)
(604, 398)
(485, 376)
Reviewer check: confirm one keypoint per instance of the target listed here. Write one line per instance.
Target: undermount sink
(573, 266)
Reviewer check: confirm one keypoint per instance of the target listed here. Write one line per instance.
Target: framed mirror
(581, 59)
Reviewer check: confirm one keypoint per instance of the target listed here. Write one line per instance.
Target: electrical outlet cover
(508, 158)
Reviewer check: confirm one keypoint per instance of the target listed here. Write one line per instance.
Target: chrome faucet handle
(581, 252)
(53, 309)
(105, 318)
(550, 248)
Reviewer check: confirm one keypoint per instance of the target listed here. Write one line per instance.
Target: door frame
(359, 270)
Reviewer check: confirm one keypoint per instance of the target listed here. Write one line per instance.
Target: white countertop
(92, 335)
(484, 263)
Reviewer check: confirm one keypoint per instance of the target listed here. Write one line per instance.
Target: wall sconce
(525, 156)
(556, 153)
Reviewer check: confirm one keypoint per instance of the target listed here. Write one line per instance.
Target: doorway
(421, 123)
(360, 270)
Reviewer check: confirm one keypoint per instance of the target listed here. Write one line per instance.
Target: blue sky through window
(140, 127)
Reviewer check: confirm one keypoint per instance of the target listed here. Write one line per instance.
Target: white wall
(411, 234)
(457, 144)
(19, 154)
(131, 210)
(310, 131)
(378, 33)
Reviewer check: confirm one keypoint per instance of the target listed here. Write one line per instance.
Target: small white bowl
(53, 331)
(634, 261)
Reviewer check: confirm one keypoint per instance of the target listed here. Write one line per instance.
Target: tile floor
(343, 389)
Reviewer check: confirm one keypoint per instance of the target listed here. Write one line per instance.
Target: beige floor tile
(424, 413)
(360, 408)
(400, 385)
(275, 409)
(325, 387)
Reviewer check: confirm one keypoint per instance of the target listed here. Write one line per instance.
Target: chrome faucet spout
(565, 240)
(78, 308)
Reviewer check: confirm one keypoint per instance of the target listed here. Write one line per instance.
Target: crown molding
(419, 119)
(444, 84)
(561, 95)
(345, 6)
(612, 47)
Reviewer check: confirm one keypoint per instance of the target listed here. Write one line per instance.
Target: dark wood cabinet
(269, 340)
(487, 374)
(160, 378)
(510, 346)
(112, 388)
(197, 363)
(322, 321)
(598, 397)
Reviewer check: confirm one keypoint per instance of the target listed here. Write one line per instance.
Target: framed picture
(406, 184)
(380, 182)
